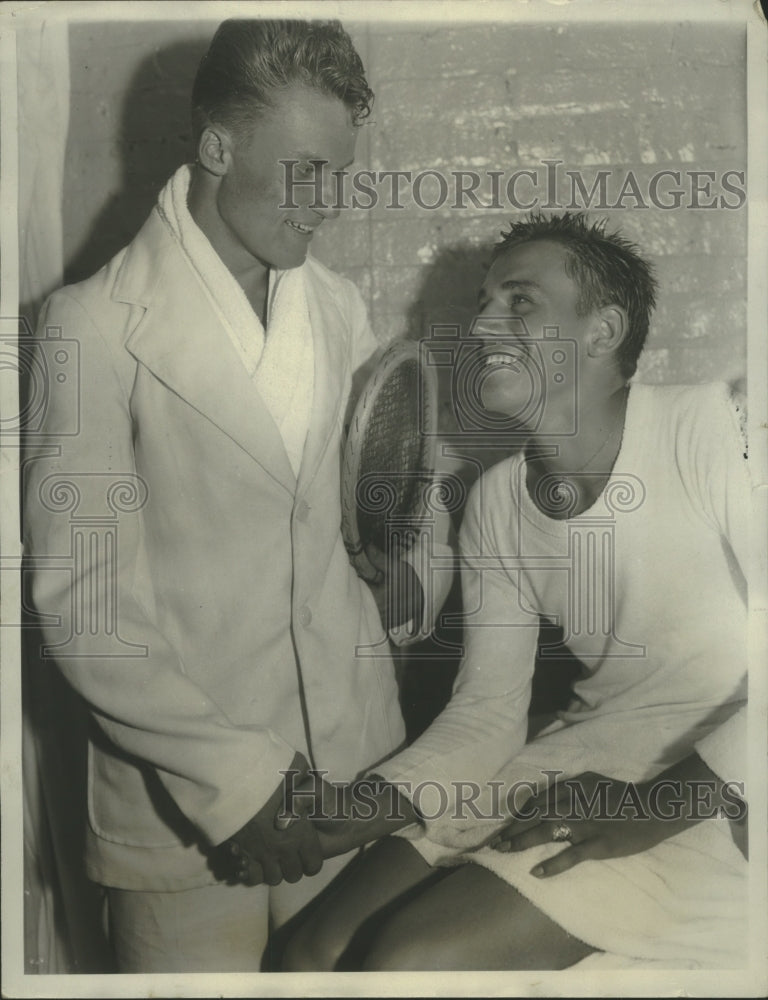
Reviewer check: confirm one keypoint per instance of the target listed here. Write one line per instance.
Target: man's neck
(564, 447)
(566, 473)
(251, 274)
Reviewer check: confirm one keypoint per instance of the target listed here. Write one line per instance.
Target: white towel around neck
(280, 360)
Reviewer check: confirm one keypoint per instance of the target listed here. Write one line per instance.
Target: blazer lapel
(330, 333)
(181, 340)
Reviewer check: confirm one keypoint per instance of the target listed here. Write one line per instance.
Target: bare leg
(472, 920)
(340, 929)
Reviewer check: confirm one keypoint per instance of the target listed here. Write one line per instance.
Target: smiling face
(249, 227)
(527, 292)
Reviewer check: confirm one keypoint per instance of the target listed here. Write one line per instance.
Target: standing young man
(207, 611)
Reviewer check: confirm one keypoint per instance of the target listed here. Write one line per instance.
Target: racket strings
(393, 462)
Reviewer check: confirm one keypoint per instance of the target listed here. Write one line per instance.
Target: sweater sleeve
(724, 750)
(719, 473)
(713, 461)
(485, 722)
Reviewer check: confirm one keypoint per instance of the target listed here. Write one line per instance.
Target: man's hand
(623, 818)
(350, 815)
(399, 597)
(262, 851)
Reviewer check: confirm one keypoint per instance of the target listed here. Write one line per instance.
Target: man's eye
(518, 299)
(310, 168)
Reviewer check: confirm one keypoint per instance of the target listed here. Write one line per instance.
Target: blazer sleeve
(137, 690)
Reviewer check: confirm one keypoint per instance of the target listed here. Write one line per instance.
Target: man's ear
(610, 329)
(214, 150)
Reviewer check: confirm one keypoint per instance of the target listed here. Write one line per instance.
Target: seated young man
(624, 518)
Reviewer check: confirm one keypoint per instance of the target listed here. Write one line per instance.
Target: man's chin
(290, 262)
(284, 259)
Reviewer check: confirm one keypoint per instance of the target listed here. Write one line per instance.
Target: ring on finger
(562, 832)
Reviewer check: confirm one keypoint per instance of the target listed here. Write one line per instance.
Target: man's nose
(488, 324)
(327, 209)
(329, 205)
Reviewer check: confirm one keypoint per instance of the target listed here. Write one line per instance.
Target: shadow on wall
(449, 287)
(153, 140)
(443, 311)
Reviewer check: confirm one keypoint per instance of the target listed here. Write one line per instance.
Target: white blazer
(205, 608)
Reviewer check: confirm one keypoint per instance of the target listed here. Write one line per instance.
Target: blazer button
(302, 511)
(305, 616)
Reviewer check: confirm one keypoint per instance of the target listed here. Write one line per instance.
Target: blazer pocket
(128, 805)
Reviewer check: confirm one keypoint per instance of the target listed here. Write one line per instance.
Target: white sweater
(647, 586)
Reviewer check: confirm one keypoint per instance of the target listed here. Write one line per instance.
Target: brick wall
(627, 99)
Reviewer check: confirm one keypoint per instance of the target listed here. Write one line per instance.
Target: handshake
(305, 821)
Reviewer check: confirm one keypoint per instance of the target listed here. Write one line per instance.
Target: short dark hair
(248, 61)
(607, 268)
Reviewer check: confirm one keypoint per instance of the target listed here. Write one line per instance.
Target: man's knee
(312, 949)
(399, 947)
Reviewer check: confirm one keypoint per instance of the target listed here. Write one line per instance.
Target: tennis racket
(389, 457)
